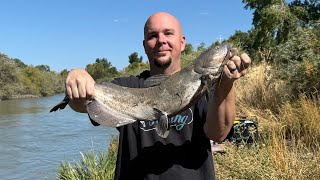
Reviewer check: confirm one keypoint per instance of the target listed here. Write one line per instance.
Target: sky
(69, 34)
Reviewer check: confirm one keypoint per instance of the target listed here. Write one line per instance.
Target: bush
(91, 166)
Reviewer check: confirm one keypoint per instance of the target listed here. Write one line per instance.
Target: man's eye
(169, 33)
(152, 36)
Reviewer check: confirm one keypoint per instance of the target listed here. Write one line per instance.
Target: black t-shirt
(184, 154)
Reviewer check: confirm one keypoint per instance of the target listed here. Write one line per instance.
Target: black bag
(244, 131)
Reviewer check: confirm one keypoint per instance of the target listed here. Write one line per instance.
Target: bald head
(168, 19)
(163, 43)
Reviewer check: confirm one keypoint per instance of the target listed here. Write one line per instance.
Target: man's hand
(237, 66)
(79, 88)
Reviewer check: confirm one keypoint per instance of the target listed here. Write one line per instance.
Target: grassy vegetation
(91, 166)
(289, 146)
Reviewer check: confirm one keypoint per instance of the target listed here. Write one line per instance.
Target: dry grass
(289, 144)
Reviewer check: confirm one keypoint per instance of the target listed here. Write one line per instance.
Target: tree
(20, 63)
(273, 22)
(101, 68)
(201, 47)
(298, 59)
(43, 68)
(188, 49)
(64, 73)
(134, 58)
(241, 40)
(308, 11)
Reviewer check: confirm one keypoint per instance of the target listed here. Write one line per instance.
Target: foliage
(19, 63)
(44, 83)
(101, 68)
(18, 79)
(274, 21)
(188, 49)
(298, 61)
(242, 40)
(8, 71)
(43, 68)
(133, 58)
(134, 69)
(91, 166)
(307, 11)
(64, 73)
(201, 47)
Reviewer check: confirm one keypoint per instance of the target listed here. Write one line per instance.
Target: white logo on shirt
(179, 121)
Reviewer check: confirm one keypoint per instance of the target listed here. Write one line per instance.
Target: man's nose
(162, 38)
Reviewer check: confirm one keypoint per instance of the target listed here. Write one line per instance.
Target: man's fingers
(231, 70)
(246, 60)
(81, 89)
(69, 92)
(74, 88)
(90, 90)
(237, 61)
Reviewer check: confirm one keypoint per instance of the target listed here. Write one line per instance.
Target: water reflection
(23, 106)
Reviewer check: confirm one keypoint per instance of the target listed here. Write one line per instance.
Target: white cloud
(204, 13)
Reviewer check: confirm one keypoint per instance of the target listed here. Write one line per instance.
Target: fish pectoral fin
(162, 127)
(61, 105)
(100, 114)
(93, 122)
(155, 80)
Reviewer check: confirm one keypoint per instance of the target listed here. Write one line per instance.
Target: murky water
(33, 142)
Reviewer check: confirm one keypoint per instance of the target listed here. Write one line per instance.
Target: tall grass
(289, 144)
(261, 90)
(91, 166)
(275, 160)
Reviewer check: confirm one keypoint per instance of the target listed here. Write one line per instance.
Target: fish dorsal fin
(155, 80)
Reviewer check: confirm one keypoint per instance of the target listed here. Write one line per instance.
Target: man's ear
(183, 43)
(144, 45)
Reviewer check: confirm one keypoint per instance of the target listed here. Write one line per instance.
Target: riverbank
(25, 96)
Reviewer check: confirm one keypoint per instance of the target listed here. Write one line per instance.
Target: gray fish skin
(115, 105)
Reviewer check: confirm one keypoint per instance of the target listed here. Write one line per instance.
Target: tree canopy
(101, 68)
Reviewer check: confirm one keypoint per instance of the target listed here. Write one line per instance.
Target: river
(33, 142)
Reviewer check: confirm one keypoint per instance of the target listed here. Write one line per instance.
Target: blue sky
(68, 34)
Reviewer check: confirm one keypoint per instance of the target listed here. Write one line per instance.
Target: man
(186, 152)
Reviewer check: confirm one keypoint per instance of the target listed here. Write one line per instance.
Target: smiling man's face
(163, 40)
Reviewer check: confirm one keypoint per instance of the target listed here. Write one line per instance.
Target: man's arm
(222, 106)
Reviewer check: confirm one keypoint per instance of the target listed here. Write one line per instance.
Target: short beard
(163, 64)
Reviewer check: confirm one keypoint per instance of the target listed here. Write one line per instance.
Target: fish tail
(61, 105)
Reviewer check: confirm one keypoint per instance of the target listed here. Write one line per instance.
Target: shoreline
(26, 96)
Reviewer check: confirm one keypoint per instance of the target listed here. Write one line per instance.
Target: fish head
(211, 61)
